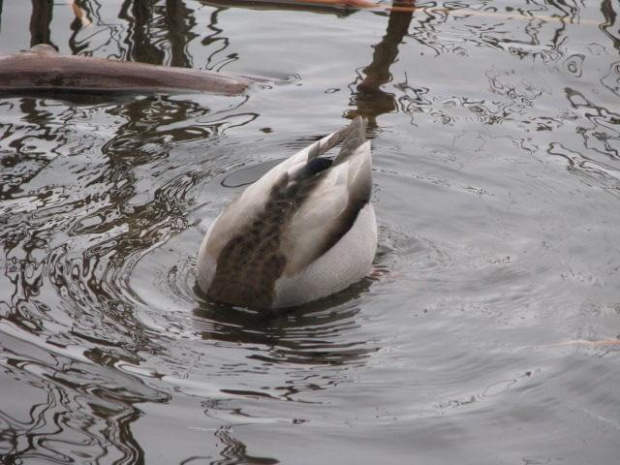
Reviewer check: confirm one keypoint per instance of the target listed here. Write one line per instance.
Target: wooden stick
(583, 342)
(42, 68)
(370, 5)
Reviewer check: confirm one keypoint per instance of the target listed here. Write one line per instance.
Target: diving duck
(306, 229)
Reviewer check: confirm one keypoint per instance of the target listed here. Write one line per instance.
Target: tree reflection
(370, 100)
(140, 37)
(146, 19)
(40, 22)
(179, 23)
(24, 242)
(148, 22)
(81, 19)
(611, 24)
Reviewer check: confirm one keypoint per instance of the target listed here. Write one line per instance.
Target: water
(496, 138)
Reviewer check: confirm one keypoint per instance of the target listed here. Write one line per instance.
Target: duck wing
(333, 203)
(287, 219)
(296, 171)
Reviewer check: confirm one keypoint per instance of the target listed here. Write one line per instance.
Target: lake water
(477, 340)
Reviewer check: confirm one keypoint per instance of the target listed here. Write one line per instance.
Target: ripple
(495, 142)
(612, 80)
(574, 64)
(251, 353)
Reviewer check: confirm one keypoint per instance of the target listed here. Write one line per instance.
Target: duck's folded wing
(330, 210)
(253, 201)
(292, 164)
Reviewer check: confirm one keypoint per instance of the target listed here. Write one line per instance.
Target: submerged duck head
(303, 231)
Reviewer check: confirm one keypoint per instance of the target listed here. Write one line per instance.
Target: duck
(304, 230)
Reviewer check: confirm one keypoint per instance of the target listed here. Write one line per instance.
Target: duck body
(303, 231)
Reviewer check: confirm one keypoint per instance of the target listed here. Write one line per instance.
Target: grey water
(489, 331)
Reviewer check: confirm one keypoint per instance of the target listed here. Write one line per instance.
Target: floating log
(405, 6)
(310, 5)
(43, 69)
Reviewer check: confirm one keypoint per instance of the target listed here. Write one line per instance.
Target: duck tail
(353, 138)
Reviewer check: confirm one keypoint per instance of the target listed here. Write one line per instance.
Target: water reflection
(369, 99)
(315, 334)
(157, 33)
(23, 155)
(610, 11)
(40, 22)
(73, 224)
(180, 23)
(612, 79)
(216, 40)
(101, 203)
(140, 41)
(233, 451)
(54, 388)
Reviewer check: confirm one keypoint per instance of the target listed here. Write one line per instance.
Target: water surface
(496, 137)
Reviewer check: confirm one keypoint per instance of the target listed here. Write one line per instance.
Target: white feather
(344, 264)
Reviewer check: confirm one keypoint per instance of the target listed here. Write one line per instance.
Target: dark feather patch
(354, 138)
(316, 165)
(251, 262)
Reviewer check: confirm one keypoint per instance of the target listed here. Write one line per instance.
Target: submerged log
(42, 69)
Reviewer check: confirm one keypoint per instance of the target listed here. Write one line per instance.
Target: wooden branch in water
(402, 6)
(354, 4)
(42, 69)
(582, 342)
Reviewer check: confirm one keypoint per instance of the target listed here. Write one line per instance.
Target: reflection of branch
(370, 100)
(80, 14)
(179, 22)
(141, 20)
(40, 22)
(212, 39)
(611, 17)
(81, 21)
(386, 51)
